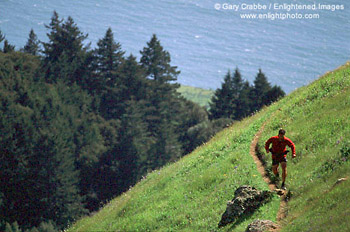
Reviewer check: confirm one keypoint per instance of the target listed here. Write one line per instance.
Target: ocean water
(204, 42)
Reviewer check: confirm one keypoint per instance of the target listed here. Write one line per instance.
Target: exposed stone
(246, 200)
(261, 225)
(280, 192)
(340, 181)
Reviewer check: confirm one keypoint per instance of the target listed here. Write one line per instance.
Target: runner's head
(281, 134)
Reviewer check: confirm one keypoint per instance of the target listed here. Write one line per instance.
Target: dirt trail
(283, 204)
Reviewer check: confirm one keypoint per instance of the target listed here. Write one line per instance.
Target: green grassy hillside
(191, 194)
(317, 118)
(197, 95)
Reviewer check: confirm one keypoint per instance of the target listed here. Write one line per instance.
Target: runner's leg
(284, 171)
(275, 169)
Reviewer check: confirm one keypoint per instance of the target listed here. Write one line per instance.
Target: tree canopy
(237, 99)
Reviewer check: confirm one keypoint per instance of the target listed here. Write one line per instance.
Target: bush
(345, 152)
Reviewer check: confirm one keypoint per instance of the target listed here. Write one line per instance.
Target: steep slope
(191, 194)
(316, 117)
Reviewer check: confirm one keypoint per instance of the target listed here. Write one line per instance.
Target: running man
(279, 153)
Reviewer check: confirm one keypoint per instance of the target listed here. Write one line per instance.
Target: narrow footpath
(261, 168)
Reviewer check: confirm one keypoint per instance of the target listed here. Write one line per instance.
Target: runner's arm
(267, 145)
(292, 146)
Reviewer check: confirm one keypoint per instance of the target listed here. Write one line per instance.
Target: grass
(197, 95)
(191, 194)
(316, 118)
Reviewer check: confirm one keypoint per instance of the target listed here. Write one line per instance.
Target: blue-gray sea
(204, 42)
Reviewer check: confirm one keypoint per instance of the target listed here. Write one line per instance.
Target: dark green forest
(80, 125)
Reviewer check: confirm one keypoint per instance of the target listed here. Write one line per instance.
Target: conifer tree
(274, 94)
(243, 108)
(241, 89)
(59, 179)
(65, 53)
(8, 47)
(46, 137)
(221, 105)
(53, 49)
(135, 143)
(260, 89)
(237, 100)
(132, 80)
(109, 58)
(156, 62)
(2, 37)
(130, 84)
(162, 100)
(32, 45)
(237, 83)
(105, 181)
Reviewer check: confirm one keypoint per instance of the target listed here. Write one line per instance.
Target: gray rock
(261, 225)
(246, 200)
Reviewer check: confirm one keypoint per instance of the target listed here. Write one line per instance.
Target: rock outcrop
(261, 225)
(246, 200)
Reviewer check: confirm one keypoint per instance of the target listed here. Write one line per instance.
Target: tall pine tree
(109, 57)
(32, 45)
(241, 91)
(274, 94)
(65, 54)
(130, 83)
(107, 63)
(8, 47)
(156, 62)
(243, 107)
(236, 99)
(259, 92)
(221, 105)
(162, 101)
